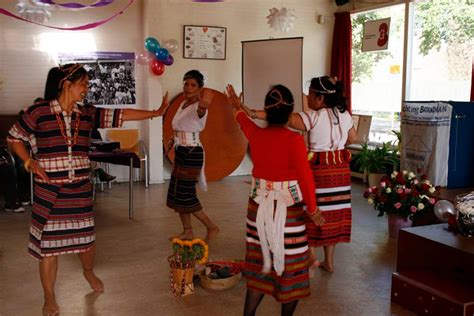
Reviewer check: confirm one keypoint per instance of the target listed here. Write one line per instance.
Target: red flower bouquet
(402, 194)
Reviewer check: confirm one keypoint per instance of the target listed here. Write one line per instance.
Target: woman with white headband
(277, 257)
(330, 127)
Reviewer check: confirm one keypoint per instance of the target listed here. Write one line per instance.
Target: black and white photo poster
(111, 77)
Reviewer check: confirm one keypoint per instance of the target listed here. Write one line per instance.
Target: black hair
(333, 92)
(279, 104)
(57, 76)
(196, 75)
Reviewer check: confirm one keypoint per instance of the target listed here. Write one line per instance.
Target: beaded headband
(279, 99)
(325, 90)
(200, 81)
(70, 71)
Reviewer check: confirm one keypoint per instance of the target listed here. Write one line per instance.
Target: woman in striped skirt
(330, 128)
(188, 167)
(277, 260)
(62, 220)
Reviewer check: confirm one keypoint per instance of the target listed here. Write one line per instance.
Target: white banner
(425, 139)
(376, 35)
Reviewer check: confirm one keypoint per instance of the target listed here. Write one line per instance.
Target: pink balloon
(157, 67)
(144, 58)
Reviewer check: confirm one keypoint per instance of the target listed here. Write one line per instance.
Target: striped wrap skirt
(62, 219)
(293, 283)
(332, 177)
(182, 196)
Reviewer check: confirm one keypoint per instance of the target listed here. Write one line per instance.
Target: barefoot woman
(62, 216)
(188, 122)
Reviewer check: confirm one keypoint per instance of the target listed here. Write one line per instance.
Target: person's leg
(328, 263)
(187, 227)
(287, 309)
(313, 262)
(252, 300)
(87, 260)
(212, 229)
(48, 269)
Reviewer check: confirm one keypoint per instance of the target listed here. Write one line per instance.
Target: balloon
(171, 45)
(162, 54)
(144, 58)
(152, 45)
(169, 61)
(443, 209)
(157, 67)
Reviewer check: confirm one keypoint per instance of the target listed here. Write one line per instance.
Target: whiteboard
(269, 62)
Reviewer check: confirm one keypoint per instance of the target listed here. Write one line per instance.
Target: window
(377, 75)
(442, 51)
(439, 61)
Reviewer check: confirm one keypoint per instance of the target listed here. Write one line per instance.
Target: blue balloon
(169, 61)
(162, 54)
(152, 45)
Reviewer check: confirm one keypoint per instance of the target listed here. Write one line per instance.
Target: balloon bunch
(156, 55)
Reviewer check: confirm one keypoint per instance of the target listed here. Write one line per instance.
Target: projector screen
(269, 62)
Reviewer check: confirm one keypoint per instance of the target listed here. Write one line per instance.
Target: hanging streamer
(75, 5)
(76, 28)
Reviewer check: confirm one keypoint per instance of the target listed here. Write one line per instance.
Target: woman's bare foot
(326, 266)
(96, 284)
(211, 233)
(50, 307)
(313, 265)
(186, 235)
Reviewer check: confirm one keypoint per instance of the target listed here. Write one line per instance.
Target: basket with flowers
(186, 254)
(402, 194)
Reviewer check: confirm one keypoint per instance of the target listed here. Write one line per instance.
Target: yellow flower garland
(191, 243)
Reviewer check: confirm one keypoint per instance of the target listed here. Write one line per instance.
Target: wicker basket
(223, 283)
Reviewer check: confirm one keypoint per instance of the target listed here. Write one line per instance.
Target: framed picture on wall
(204, 42)
(111, 77)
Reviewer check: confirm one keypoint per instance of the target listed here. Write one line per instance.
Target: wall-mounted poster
(376, 35)
(111, 77)
(204, 42)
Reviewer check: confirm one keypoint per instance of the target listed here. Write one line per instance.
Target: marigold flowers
(402, 193)
(190, 252)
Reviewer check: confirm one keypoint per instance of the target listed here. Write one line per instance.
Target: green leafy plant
(379, 159)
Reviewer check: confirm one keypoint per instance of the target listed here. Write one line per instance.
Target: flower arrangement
(403, 194)
(187, 253)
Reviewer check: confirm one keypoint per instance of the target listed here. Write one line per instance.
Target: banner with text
(425, 139)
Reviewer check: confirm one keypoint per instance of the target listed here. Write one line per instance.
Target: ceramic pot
(395, 222)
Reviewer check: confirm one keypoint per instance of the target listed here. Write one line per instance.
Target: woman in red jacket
(277, 260)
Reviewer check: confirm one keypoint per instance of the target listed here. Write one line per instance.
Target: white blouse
(187, 120)
(325, 133)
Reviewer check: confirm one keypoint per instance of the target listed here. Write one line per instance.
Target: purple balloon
(169, 61)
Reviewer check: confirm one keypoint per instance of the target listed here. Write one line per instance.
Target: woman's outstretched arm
(137, 115)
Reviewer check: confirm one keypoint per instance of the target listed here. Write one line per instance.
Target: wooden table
(123, 158)
(435, 271)
(450, 194)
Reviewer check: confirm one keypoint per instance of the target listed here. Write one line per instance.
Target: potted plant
(186, 254)
(376, 161)
(403, 197)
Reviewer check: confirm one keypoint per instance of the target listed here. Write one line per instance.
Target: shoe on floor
(25, 203)
(15, 209)
(104, 176)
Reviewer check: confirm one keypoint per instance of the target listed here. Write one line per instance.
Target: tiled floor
(132, 262)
